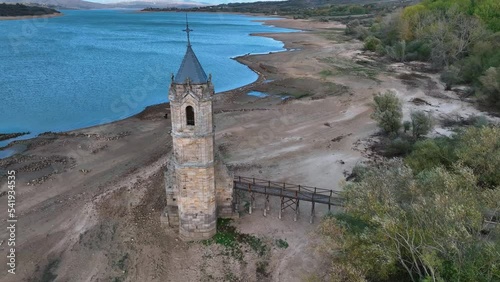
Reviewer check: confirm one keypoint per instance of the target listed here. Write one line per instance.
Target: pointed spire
(188, 30)
(190, 69)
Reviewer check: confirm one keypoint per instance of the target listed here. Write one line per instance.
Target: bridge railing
(304, 191)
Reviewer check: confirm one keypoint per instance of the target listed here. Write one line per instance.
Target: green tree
(489, 12)
(430, 153)
(490, 85)
(427, 226)
(388, 112)
(479, 149)
(371, 43)
(421, 123)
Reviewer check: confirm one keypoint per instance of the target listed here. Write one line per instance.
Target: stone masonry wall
(224, 190)
(197, 202)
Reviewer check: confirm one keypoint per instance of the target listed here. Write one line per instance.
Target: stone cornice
(191, 165)
(191, 135)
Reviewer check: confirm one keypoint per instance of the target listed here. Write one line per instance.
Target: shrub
(490, 85)
(418, 51)
(397, 51)
(426, 226)
(421, 123)
(371, 43)
(479, 149)
(407, 126)
(431, 153)
(388, 112)
(398, 147)
(355, 29)
(450, 76)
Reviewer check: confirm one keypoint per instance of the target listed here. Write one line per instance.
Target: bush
(407, 126)
(398, 147)
(450, 76)
(431, 153)
(397, 51)
(490, 85)
(421, 123)
(418, 51)
(371, 43)
(427, 226)
(355, 29)
(479, 149)
(388, 112)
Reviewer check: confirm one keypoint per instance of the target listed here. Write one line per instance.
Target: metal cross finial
(187, 30)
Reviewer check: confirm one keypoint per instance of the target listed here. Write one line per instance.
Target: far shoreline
(219, 95)
(10, 18)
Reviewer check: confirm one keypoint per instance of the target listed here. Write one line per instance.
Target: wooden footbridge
(290, 195)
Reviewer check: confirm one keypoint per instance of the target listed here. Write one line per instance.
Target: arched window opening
(189, 115)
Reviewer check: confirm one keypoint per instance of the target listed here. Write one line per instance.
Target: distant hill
(60, 4)
(17, 10)
(81, 4)
(288, 7)
(157, 4)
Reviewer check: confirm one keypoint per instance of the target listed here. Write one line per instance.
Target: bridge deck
(289, 191)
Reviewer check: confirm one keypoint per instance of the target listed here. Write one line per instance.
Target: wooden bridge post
(251, 199)
(282, 202)
(296, 206)
(330, 201)
(267, 195)
(266, 205)
(235, 200)
(311, 220)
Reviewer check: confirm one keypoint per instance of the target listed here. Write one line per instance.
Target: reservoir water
(91, 67)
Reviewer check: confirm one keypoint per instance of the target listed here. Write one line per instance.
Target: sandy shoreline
(31, 17)
(89, 200)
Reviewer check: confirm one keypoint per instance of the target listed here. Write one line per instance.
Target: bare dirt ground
(89, 201)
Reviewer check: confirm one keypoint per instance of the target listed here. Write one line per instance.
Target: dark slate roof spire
(190, 68)
(187, 30)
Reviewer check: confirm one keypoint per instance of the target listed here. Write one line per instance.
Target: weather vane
(188, 30)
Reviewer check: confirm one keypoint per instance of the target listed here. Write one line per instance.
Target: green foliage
(483, 56)
(451, 76)
(388, 29)
(406, 126)
(48, 272)
(427, 226)
(12, 10)
(282, 244)
(490, 85)
(479, 149)
(371, 43)
(418, 50)
(397, 52)
(388, 112)
(355, 29)
(232, 240)
(398, 147)
(489, 12)
(431, 153)
(421, 123)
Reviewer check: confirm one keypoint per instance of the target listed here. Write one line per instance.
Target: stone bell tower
(191, 178)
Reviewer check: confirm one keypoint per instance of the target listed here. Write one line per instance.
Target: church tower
(193, 181)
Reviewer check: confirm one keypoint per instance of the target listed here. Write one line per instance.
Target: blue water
(91, 67)
(257, 94)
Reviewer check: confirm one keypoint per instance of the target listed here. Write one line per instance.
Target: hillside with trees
(430, 210)
(16, 10)
(300, 8)
(460, 38)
